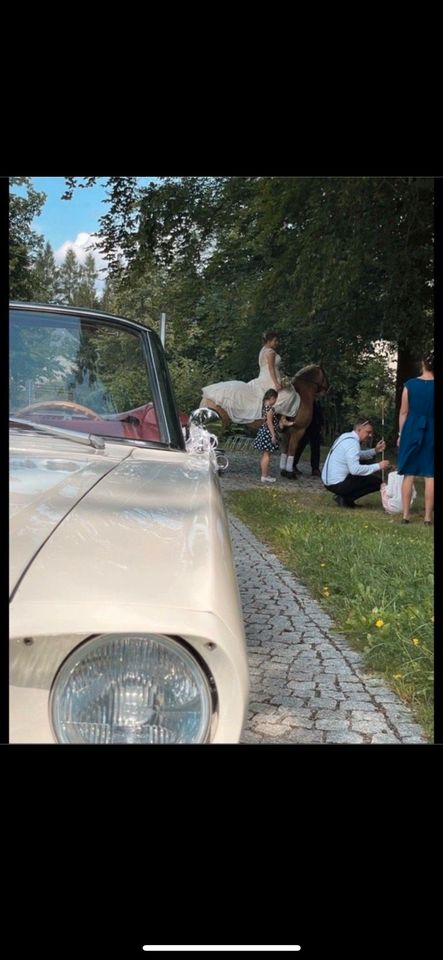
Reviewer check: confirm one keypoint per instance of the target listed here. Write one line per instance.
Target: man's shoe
(316, 472)
(343, 502)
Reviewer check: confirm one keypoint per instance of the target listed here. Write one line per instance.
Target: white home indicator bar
(282, 949)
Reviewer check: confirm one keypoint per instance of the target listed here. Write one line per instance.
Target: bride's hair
(269, 335)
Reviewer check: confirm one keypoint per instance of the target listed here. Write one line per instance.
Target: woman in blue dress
(416, 437)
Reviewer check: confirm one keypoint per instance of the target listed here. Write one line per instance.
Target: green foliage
(24, 243)
(353, 250)
(143, 298)
(33, 273)
(86, 293)
(76, 282)
(368, 389)
(69, 278)
(334, 263)
(112, 362)
(44, 277)
(35, 355)
(187, 377)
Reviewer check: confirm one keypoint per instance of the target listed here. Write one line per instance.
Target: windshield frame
(171, 433)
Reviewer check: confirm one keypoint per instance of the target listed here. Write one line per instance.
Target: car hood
(48, 476)
(145, 543)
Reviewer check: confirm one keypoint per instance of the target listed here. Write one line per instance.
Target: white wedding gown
(243, 402)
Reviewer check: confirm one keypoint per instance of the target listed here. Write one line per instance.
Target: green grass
(374, 576)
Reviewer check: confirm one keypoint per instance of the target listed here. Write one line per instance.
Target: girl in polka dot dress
(267, 439)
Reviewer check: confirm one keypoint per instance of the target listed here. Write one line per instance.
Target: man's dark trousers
(312, 436)
(354, 487)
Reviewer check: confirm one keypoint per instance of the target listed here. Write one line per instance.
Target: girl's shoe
(268, 479)
(405, 521)
(427, 523)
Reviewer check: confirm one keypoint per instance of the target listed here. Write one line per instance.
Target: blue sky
(62, 220)
(70, 223)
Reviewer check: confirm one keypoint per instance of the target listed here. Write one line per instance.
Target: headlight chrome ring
(134, 688)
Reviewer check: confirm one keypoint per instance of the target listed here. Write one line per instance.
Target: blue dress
(416, 451)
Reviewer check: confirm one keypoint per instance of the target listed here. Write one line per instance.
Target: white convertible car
(126, 625)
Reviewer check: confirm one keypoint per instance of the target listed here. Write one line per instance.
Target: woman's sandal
(427, 523)
(405, 521)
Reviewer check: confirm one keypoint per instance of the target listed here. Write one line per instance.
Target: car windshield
(89, 375)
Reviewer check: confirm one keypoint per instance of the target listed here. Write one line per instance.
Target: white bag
(391, 493)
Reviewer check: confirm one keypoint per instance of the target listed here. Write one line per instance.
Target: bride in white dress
(242, 401)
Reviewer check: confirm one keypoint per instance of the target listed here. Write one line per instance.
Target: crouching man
(344, 474)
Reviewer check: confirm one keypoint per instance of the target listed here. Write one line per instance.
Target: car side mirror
(203, 415)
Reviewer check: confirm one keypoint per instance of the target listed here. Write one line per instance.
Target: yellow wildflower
(416, 641)
(397, 676)
(322, 564)
(379, 623)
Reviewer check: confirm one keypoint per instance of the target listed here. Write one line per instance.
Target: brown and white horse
(310, 383)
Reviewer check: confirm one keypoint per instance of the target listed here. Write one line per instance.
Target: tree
(24, 243)
(77, 282)
(360, 264)
(86, 292)
(44, 277)
(69, 278)
(334, 263)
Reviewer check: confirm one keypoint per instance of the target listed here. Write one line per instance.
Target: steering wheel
(67, 404)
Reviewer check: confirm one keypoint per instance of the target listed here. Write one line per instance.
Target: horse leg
(296, 433)
(285, 442)
(285, 438)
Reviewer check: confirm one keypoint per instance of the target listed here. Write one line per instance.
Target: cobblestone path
(307, 684)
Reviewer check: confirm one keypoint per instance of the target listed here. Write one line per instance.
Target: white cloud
(83, 244)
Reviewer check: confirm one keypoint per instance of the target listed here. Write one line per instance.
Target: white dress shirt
(344, 458)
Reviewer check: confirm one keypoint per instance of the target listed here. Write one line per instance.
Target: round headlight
(141, 688)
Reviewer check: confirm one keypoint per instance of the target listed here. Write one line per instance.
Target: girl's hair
(428, 361)
(269, 335)
(270, 393)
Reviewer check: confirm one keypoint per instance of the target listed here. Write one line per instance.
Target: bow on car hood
(48, 476)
